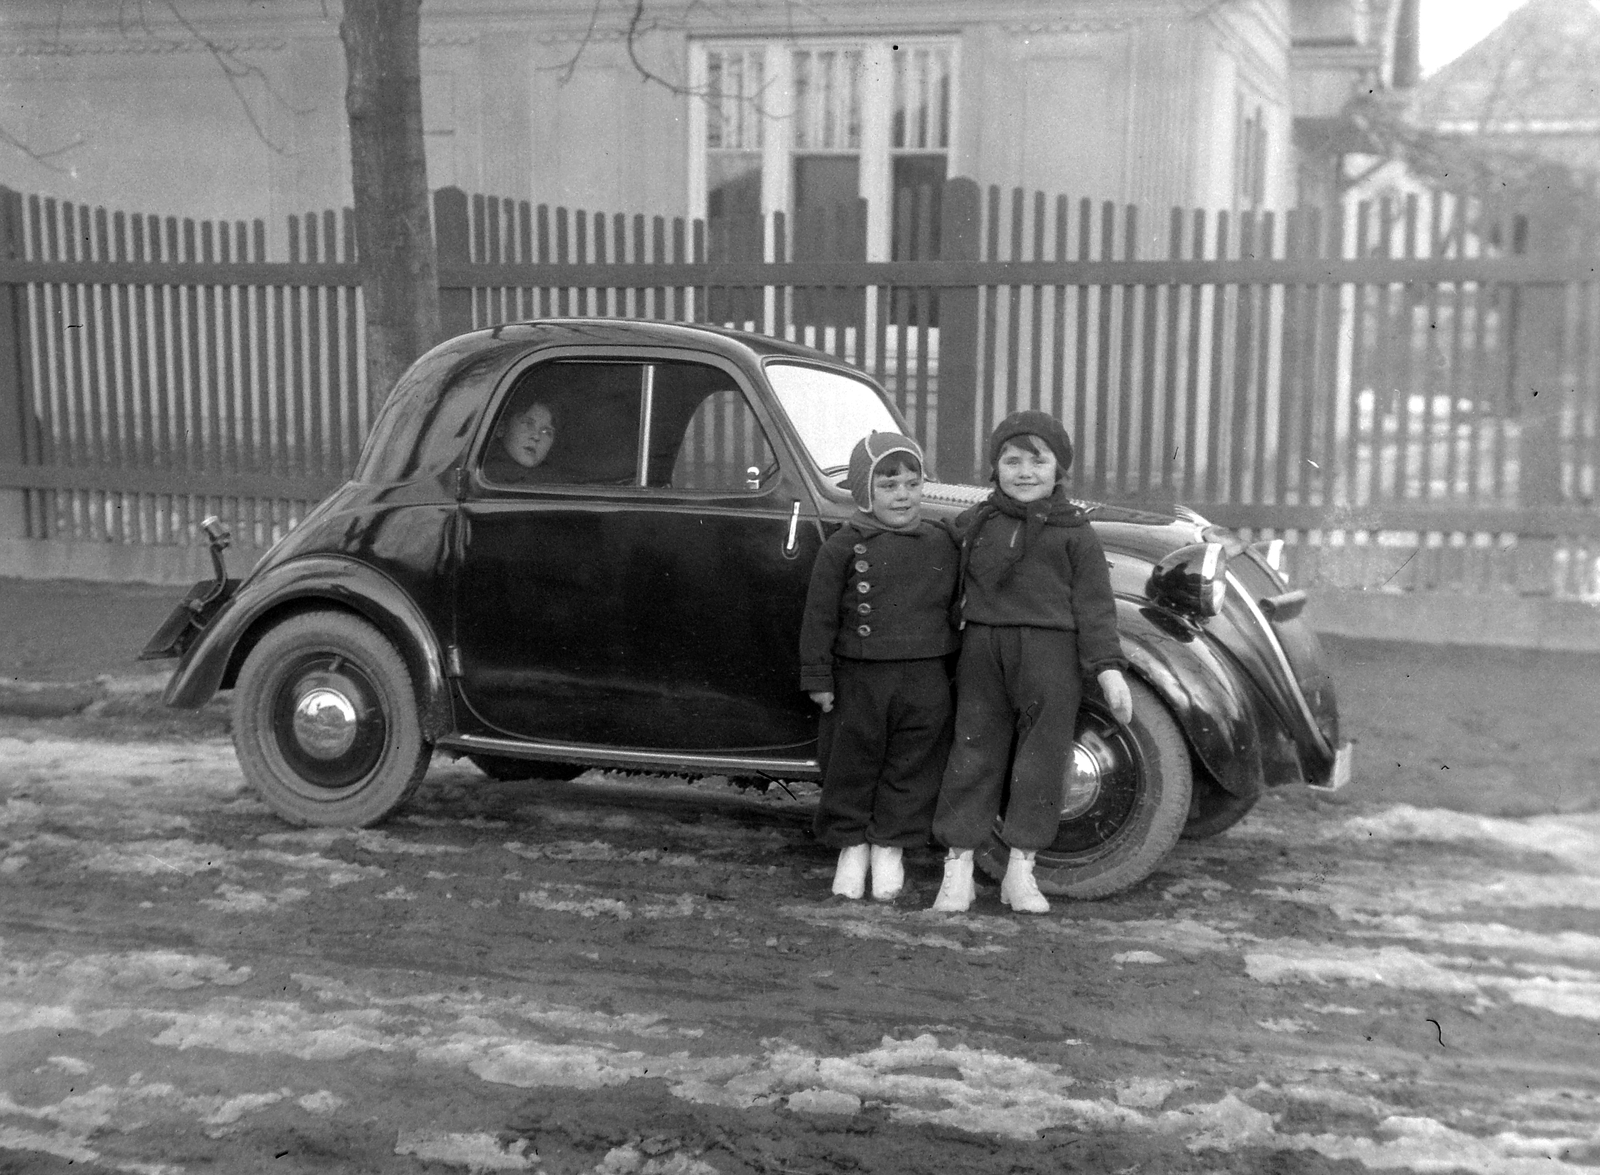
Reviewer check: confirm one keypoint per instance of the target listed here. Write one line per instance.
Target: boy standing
(1039, 617)
(872, 647)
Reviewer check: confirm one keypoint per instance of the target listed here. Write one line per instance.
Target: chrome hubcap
(325, 723)
(1083, 785)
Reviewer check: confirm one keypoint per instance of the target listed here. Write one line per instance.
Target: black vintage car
(579, 543)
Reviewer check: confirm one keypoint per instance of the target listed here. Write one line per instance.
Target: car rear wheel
(509, 770)
(325, 722)
(1123, 807)
(1214, 809)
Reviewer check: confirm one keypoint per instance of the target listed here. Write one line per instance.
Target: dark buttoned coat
(878, 595)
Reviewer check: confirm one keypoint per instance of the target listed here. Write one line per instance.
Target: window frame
(876, 153)
(478, 488)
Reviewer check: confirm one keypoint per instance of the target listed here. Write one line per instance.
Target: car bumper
(1343, 760)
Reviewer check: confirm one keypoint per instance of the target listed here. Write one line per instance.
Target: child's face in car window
(528, 435)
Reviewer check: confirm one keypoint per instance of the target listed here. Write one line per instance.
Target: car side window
(704, 424)
(568, 422)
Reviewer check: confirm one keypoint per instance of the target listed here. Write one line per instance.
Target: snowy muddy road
(618, 976)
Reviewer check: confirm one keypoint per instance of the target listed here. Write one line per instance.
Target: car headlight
(1192, 579)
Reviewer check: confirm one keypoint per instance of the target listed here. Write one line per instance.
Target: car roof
(648, 332)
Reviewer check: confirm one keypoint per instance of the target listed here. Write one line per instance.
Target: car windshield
(830, 411)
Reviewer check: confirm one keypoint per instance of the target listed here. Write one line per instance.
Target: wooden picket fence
(1409, 393)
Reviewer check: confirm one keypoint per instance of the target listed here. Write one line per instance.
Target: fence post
(15, 417)
(960, 237)
(1538, 359)
(452, 237)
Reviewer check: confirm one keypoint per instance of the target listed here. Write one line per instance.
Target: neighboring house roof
(1540, 67)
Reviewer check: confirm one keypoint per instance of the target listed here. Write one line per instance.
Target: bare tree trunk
(394, 228)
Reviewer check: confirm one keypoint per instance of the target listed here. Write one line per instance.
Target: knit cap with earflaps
(864, 458)
(1030, 422)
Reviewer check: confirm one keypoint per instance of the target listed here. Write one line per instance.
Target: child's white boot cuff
(888, 873)
(957, 891)
(1018, 889)
(850, 875)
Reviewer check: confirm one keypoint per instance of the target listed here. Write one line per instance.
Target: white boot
(957, 891)
(1018, 889)
(850, 875)
(888, 873)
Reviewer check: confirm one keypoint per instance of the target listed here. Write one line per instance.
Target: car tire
(1214, 809)
(508, 770)
(1115, 834)
(325, 722)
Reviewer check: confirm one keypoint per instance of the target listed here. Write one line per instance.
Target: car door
(635, 595)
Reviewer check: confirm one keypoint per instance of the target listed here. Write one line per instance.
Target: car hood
(1148, 533)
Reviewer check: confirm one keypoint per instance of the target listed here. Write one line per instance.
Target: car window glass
(830, 411)
(705, 437)
(568, 423)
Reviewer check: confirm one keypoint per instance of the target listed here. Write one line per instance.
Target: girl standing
(1038, 616)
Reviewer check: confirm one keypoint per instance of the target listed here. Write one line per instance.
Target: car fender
(1201, 689)
(213, 660)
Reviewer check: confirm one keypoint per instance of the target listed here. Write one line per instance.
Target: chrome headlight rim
(1192, 579)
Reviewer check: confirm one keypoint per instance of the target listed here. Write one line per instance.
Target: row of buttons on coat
(863, 587)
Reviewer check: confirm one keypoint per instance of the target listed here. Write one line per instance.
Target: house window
(813, 130)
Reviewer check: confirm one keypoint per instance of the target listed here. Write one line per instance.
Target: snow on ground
(1447, 930)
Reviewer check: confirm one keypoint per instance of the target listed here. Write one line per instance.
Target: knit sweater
(1062, 582)
(878, 595)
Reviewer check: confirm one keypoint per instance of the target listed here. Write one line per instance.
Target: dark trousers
(882, 750)
(1017, 694)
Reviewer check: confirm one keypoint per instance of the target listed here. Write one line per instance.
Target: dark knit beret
(1040, 424)
(864, 458)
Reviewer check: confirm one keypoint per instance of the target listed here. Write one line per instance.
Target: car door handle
(791, 545)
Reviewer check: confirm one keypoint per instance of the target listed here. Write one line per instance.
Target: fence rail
(1410, 393)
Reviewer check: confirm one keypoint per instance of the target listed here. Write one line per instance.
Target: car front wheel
(1123, 805)
(325, 722)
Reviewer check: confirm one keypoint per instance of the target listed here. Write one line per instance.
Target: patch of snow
(884, 924)
(1568, 944)
(629, 1160)
(823, 1101)
(1225, 1125)
(255, 1027)
(1145, 1093)
(598, 850)
(366, 839)
(322, 1102)
(60, 1144)
(1286, 1024)
(1564, 997)
(69, 1064)
(1426, 1145)
(238, 900)
(1290, 961)
(172, 970)
(1183, 935)
(1137, 957)
(237, 1107)
(1572, 838)
(476, 1151)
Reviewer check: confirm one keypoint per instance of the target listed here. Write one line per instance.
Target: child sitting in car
(876, 632)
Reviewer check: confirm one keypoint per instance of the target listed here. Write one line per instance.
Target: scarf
(868, 524)
(1056, 510)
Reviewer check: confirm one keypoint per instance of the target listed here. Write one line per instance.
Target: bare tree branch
(42, 157)
(237, 70)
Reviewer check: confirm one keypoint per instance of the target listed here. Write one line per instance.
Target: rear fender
(1200, 687)
(213, 661)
